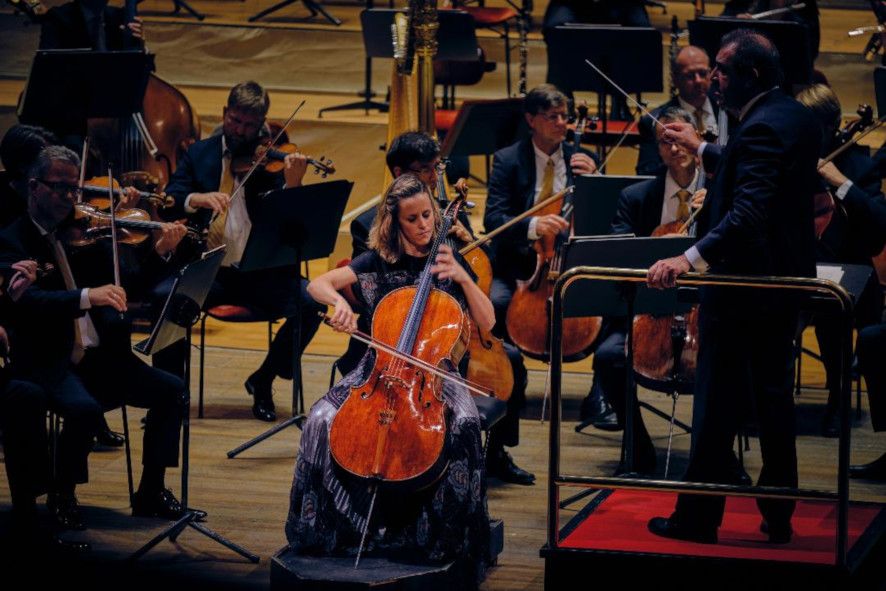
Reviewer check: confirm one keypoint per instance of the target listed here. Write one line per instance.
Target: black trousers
(742, 356)
(507, 431)
(106, 379)
(275, 292)
(23, 408)
(871, 352)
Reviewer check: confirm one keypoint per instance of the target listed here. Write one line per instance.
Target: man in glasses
(691, 74)
(73, 342)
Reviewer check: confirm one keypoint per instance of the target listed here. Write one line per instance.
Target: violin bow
(258, 161)
(375, 343)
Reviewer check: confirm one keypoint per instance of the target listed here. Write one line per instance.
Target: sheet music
(830, 272)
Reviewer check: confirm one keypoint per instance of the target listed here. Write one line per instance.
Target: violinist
(18, 149)
(757, 220)
(208, 191)
(418, 153)
(90, 24)
(70, 340)
(448, 519)
(691, 72)
(856, 232)
(523, 174)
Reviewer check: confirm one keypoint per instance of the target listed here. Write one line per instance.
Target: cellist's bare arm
(325, 290)
(446, 267)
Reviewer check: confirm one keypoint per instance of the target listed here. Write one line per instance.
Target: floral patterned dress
(448, 520)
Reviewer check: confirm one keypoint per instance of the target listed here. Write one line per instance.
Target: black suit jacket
(758, 216)
(649, 163)
(199, 171)
(639, 207)
(511, 192)
(63, 27)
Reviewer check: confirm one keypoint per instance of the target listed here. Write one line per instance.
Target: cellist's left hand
(460, 232)
(446, 267)
(581, 163)
(136, 27)
(698, 199)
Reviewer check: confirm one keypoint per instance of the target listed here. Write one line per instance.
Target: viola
(271, 157)
(90, 224)
(392, 427)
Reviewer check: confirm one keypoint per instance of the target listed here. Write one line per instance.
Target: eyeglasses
(434, 167)
(554, 117)
(61, 188)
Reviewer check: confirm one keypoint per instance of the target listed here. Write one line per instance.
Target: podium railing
(828, 289)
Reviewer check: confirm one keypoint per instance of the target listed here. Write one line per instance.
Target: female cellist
(448, 518)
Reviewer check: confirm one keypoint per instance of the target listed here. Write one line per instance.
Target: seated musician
(856, 232)
(523, 174)
(18, 149)
(71, 342)
(328, 511)
(641, 209)
(691, 73)
(419, 153)
(871, 351)
(203, 186)
(90, 24)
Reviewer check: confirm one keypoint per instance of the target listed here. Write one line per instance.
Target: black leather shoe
(108, 438)
(875, 470)
(65, 511)
(161, 503)
(263, 410)
(263, 405)
(593, 407)
(608, 422)
(669, 528)
(777, 535)
(501, 465)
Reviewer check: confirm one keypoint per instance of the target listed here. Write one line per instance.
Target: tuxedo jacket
(649, 163)
(639, 207)
(758, 214)
(199, 171)
(63, 27)
(511, 192)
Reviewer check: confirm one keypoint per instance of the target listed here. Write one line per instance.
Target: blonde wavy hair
(385, 236)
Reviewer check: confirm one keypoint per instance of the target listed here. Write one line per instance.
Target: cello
(529, 313)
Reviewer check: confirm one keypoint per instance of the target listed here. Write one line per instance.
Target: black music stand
(791, 39)
(609, 298)
(68, 86)
(596, 200)
(311, 5)
(180, 312)
(482, 127)
(631, 56)
(286, 234)
(880, 90)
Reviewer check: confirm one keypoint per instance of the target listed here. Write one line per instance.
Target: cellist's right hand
(217, 202)
(343, 319)
(550, 225)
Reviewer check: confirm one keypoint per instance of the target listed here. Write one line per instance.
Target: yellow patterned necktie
(699, 119)
(216, 235)
(683, 207)
(547, 182)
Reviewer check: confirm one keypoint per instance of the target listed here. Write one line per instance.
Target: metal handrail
(829, 289)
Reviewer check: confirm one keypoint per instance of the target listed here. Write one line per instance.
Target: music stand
(311, 5)
(880, 90)
(68, 86)
(790, 38)
(180, 312)
(596, 201)
(609, 298)
(285, 234)
(631, 56)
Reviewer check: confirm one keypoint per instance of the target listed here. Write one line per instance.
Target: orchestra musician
(90, 24)
(522, 174)
(691, 72)
(758, 220)
(327, 510)
(856, 233)
(871, 351)
(208, 191)
(807, 15)
(418, 153)
(74, 343)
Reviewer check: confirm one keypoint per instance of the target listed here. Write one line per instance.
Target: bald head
(691, 70)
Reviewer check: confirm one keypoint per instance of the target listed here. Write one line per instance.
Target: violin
(96, 192)
(392, 427)
(90, 224)
(271, 159)
(528, 317)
